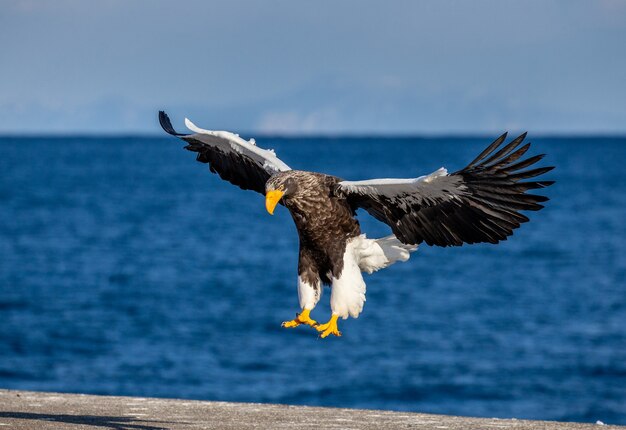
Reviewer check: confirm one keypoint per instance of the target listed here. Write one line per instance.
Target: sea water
(127, 268)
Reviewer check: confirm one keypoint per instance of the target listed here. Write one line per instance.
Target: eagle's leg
(309, 292)
(347, 295)
(330, 327)
(301, 318)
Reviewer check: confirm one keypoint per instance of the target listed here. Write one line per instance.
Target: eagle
(479, 203)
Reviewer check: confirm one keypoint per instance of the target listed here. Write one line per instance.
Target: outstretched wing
(236, 160)
(480, 203)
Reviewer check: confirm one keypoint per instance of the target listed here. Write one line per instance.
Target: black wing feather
(484, 205)
(166, 124)
(232, 166)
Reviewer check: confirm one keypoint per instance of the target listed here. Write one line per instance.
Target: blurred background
(127, 268)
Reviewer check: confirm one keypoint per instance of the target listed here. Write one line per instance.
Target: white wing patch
(437, 184)
(229, 142)
(394, 181)
(405, 193)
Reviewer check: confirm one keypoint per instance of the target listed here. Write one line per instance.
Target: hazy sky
(292, 66)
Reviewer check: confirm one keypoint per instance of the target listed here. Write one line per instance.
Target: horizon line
(324, 135)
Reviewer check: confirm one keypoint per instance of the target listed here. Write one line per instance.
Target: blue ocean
(126, 268)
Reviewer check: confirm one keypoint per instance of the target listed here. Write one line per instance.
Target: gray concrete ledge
(34, 410)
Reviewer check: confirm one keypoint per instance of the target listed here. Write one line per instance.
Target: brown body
(324, 222)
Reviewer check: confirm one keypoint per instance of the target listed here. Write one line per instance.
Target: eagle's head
(280, 186)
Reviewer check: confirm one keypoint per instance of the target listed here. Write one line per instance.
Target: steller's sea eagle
(479, 203)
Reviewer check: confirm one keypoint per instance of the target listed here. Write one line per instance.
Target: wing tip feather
(166, 124)
(489, 150)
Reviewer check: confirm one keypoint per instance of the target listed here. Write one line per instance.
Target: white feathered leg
(308, 296)
(347, 295)
(368, 255)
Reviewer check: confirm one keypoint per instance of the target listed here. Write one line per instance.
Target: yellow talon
(329, 328)
(301, 318)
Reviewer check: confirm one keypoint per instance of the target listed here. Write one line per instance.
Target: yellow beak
(271, 200)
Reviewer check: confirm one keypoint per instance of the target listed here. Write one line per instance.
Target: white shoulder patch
(228, 141)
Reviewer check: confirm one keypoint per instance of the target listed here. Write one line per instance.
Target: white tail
(376, 254)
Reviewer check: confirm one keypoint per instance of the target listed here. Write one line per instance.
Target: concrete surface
(33, 410)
